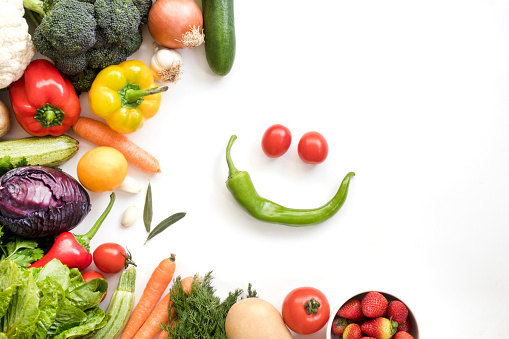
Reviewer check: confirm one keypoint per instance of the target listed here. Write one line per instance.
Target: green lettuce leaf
(95, 320)
(52, 295)
(68, 316)
(23, 311)
(57, 271)
(89, 294)
(9, 273)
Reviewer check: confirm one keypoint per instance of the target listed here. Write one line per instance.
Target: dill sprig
(200, 314)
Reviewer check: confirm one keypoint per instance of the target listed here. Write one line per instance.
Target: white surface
(411, 95)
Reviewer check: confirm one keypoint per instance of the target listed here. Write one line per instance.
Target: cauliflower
(16, 47)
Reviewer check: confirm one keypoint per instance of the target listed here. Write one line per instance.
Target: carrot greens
(200, 313)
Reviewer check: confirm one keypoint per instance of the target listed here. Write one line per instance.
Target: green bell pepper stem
(240, 185)
(132, 95)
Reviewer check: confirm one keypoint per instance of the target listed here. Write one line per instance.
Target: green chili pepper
(241, 187)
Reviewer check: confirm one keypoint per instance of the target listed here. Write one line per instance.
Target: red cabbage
(37, 201)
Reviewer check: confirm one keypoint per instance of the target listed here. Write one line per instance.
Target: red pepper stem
(131, 95)
(84, 240)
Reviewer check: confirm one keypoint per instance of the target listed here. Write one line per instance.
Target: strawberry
(380, 328)
(405, 327)
(397, 311)
(351, 310)
(368, 338)
(403, 335)
(339, 325)
(374, 305)
(352, 331)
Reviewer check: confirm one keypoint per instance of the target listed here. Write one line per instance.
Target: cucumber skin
(44, 151)
(220, 42)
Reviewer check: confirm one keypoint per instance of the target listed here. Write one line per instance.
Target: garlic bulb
(166, 64)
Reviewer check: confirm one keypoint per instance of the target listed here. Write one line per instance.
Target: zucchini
(219, 27)
(44, 151)
(120, 306)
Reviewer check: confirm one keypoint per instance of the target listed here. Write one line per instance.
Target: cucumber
(120, 306)
(44, 151)
(219, 27)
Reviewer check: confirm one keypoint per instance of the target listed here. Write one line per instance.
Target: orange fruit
(102, 169)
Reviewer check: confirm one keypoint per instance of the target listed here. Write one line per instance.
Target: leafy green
(6, 164)
(20, 250)
(200, 314)
(23, 309)
(49, 302)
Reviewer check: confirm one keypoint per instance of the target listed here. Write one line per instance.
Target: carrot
(102, 135)
(160, 314)
(162, 335)
(156, 285)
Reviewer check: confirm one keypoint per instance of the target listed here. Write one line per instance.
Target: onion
(176, 23)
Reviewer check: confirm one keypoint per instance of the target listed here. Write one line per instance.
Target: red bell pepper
(44, 102)
(74, 250)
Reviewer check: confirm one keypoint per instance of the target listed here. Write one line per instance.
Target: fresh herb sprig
(200, 314)
(20, 250)
(6, 164)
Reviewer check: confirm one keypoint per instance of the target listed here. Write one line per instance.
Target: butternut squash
(254, 318)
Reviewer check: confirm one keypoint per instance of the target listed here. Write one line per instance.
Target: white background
(411, 96)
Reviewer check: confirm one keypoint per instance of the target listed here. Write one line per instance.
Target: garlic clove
(130, 185)
(130, 216)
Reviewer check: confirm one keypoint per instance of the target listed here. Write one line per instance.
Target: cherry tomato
(89, 275)
(299, 307)
(111, 258)
(276, 141)
(313, 148)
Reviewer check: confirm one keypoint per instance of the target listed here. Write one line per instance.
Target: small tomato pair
(305, 310)
(312, 148)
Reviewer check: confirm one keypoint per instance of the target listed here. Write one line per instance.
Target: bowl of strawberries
(372, 315)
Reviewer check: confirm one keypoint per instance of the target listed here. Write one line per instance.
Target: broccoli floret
(43, 46)
(83, 80)
(71, 65)
(134, 44)
(69, 27)
(144, 8)
(104, 56)
(118, 19)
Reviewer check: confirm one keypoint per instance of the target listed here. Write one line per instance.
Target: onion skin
(169, 20)
(37, 201)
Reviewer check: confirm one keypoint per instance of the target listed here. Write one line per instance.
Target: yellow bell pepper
(125, 95)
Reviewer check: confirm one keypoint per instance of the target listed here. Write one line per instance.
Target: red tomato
(111, 258)
(298, 310)
(276, 141)
(89, 275)
(313, 148)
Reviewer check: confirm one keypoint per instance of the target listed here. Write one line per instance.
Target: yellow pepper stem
(132, 96)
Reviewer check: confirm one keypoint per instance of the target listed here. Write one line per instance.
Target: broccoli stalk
(34, 10)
